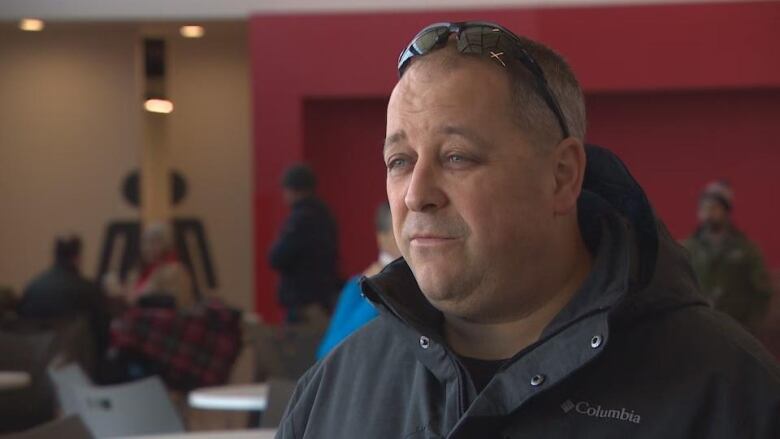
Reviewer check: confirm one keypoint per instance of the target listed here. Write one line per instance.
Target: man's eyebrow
(394, 138)
(470, 135)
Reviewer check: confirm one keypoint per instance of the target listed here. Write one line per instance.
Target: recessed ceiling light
(163, 106)
(192, 31)
(31, 24)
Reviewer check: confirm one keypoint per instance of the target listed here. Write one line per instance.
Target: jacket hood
(658, 274)
(661, 276)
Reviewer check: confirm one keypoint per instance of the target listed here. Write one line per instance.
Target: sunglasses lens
(428, 40)
(424, 42)
(482, 40)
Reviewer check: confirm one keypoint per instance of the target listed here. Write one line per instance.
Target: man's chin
(448, 297)
(436, 290)
(440, 279)
(460, 307)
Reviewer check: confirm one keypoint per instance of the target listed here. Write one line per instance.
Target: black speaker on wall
(154, 74)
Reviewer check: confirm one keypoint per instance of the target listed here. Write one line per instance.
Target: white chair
(132, 409)
(66, 379)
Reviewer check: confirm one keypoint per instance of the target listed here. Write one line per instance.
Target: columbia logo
(596, 411)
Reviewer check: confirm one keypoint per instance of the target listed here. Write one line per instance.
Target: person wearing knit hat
(729, 267)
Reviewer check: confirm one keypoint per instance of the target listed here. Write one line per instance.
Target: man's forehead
(445, 130)
(429, 83)
(457, 91)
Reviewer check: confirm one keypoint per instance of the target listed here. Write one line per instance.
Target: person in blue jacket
(353, 310)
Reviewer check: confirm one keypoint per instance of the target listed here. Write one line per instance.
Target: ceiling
(168, 10)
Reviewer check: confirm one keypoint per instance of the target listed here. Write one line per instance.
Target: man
(306, 252)
(353, 310)
(729, 266)
(536, 297)
(62, 292)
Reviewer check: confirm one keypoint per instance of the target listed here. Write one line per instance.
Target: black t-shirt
(481, 371)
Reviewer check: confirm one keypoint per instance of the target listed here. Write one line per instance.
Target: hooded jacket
(637, 353)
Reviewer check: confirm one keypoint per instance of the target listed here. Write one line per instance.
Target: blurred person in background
(352, 309)
(160, 278)
(729, 266)
(306, 252)
(63, 292)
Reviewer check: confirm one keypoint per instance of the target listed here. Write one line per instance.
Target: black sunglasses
(485, 39)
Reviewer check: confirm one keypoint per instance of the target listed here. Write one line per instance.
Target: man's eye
(396, 163)
(458, 160)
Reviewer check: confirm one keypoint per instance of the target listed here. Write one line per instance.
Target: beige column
(155, 166)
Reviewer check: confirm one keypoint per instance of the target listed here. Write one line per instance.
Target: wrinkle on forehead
(432, 85)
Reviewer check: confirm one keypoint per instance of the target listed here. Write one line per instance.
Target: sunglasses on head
(484, 39)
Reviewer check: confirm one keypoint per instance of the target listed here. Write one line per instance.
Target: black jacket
(57, 293)
(306, 255)
(62, 293)
(636, 354)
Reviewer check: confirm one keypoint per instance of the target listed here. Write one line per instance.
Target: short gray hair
(533, 113)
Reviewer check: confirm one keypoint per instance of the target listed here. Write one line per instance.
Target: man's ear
(569, 161)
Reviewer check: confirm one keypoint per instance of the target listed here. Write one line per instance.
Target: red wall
(343, 142)
(684, 93)
(675, 143)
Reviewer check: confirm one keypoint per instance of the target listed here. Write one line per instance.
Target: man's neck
(497, 341)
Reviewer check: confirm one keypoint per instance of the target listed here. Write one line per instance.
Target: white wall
(208, 137)
(69, 133)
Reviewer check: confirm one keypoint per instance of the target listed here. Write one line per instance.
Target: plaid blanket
(187, 350)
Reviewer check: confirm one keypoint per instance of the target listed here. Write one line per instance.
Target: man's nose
(425, 192)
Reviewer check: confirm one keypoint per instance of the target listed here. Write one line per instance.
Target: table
(233, 397)
(263, 433)
(13, 380)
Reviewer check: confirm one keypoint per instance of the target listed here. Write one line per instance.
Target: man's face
(471, 200)
(712, 215)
